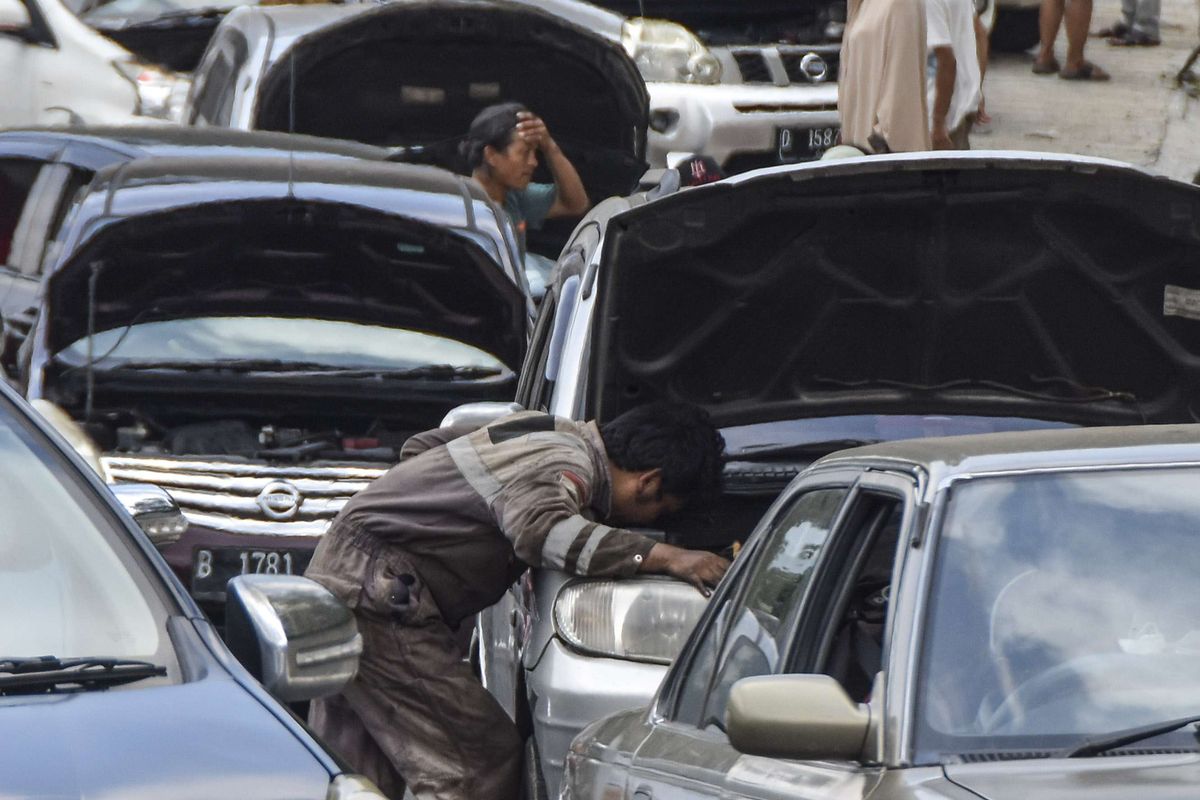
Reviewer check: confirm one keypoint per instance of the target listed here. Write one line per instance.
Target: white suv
(752, 83)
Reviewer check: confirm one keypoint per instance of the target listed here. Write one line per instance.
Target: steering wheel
(1068, 682)
(1055, 682)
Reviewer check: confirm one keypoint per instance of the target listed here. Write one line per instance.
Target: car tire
(1015, 30)
(533, 785)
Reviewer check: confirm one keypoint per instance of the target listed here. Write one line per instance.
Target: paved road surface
(1140, 116)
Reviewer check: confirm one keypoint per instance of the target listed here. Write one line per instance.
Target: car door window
(842, 631)
(17, 177)
(531, 386)
(745, 637)
(758, 625)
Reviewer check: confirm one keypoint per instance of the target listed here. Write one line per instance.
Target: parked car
(112, 682)
(259, 335)
(817, 306)
(414, 73)
(169, 33)
(42, 170)
(751, 84)
(970, 616)
(60, 71)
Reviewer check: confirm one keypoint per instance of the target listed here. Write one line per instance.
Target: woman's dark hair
(677, 438)
(493, 126)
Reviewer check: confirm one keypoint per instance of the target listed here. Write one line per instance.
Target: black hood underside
(415, 75)
(288, 258)
(986, 287)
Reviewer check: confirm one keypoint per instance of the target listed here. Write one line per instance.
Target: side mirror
(801, 717)
(155, 511)
(292, 634)
(477, 414)
(14, 16)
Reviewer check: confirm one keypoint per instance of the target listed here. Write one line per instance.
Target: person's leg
(424, 708)
(1049, 20)
(1145, 19)
(1078, 21)
(343, 731)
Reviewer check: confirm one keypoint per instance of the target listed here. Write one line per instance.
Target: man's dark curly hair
(677, 438)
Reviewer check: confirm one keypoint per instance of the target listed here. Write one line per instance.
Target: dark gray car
(112, 681)
(966, 617)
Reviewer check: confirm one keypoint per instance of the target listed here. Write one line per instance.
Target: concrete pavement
(1140, 116)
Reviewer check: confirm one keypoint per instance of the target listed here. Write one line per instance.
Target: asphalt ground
(1142, 116)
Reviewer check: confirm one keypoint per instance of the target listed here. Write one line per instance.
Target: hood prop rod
(90, 373)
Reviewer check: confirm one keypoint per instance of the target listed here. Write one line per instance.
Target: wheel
(1015, 30)
(533, 785)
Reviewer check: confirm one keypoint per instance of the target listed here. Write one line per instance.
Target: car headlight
(643, 619)
(158, 91)
(353, 787)
(667, 51)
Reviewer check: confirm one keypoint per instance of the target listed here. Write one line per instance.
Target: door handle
(643, 794)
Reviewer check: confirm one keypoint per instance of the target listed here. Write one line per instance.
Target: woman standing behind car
(501, 151)
(881, 89)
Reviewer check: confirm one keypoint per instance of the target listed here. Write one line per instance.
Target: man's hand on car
(700, 568)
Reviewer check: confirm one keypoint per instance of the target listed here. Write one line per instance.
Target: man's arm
(947, 67)
(541, 516)
(571, 199)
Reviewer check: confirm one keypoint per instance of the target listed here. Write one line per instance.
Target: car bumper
(568, 691)
(733, 123)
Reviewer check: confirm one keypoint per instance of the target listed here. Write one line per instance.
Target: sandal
(1046, 69)
(1134, 39)
(1087, 72)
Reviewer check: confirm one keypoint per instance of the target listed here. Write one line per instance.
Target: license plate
(212, 567)
(804, 144)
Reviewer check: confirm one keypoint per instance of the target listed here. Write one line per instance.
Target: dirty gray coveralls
(435, 540)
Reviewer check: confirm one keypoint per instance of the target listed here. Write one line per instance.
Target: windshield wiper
(754, 452)
(46, 673)
(434, 371)
(1102, 744)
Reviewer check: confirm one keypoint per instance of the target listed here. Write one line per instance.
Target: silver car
(967, 617)
(816, 306)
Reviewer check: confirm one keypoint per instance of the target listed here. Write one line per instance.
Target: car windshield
(1064, 606)
(70, 589)
(746, 441)
(324, 343)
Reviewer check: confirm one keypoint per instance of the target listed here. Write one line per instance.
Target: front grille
(755, 64)
(246, 496)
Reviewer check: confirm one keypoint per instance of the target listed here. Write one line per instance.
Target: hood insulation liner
(289, 259)
(1032, 291)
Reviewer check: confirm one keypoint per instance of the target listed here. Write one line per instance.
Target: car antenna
(90, 375)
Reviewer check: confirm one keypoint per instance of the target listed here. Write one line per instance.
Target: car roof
(949, 458)
(177, 140)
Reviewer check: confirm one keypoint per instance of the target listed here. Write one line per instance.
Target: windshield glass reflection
(1064, 605)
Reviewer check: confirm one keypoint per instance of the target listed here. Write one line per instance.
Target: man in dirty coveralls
(442, 535)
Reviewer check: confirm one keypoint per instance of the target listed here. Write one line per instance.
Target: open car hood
(287, 258)
(1057, 288)
(415, 74)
